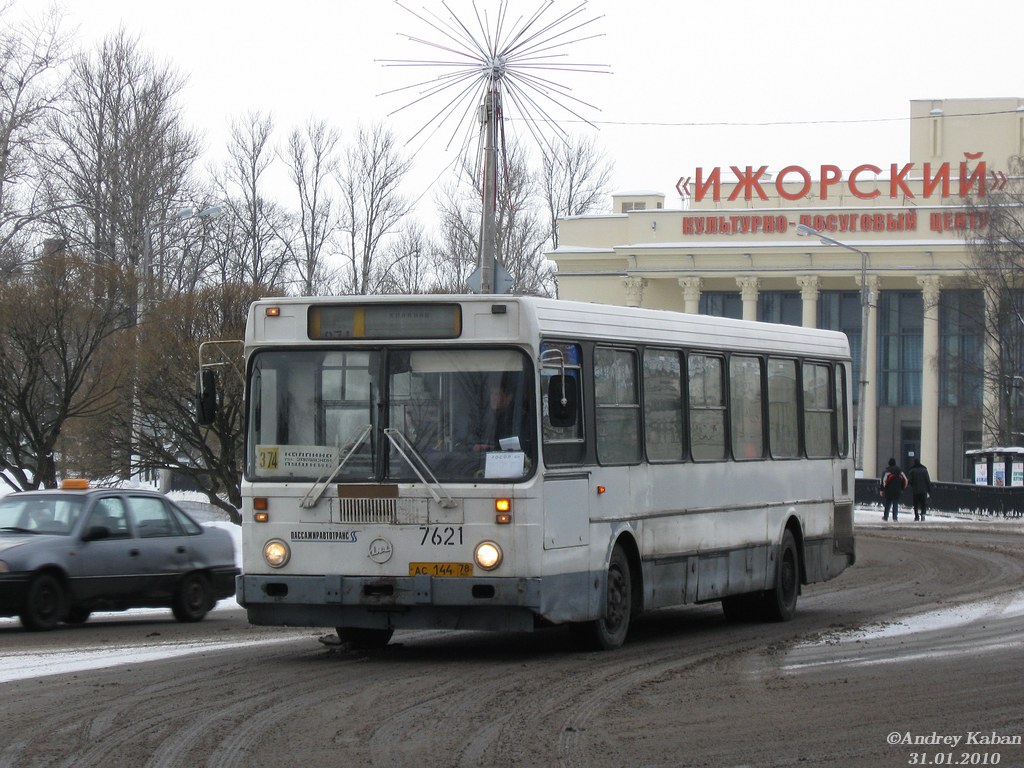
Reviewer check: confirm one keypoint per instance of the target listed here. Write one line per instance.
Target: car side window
(151, 518)
(110, 514)
(192, 528)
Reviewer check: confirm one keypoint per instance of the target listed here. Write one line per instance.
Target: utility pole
(488, 224)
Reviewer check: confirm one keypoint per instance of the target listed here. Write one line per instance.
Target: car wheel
(77, 615)
(192, 600)
(363, 639)
(45, 603)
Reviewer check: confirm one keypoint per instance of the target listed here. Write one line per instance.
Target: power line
(769, 123)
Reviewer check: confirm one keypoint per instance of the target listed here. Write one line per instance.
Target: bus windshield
(454, 415)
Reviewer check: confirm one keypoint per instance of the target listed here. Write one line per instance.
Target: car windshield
(400, 415)
(49, 514)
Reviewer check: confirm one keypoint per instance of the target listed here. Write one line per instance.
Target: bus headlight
(487, 555)
(276, 553)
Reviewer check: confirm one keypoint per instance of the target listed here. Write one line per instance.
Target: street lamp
(805, 231)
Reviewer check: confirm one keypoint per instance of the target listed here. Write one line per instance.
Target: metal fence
(955, 497)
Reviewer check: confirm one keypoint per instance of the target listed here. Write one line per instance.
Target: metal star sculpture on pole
(509, 62)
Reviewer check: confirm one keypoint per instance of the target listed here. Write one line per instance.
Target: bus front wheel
(609, 631)
(780, 601)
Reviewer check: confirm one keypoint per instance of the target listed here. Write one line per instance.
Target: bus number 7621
(441, 537)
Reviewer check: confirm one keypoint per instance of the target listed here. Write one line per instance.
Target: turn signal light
(503, 511)
(273, 311)
(261, 517)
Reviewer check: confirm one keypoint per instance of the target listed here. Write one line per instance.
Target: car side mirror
(563, 400)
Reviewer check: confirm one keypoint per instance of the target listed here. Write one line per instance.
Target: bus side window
(783, 421)
(707, 407)
(562, 425)
(842, 420)
(563, 400)
(617, 406)
(664, 430)
(818, 411)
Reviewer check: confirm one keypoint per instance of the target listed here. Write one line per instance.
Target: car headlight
(487, 555)
(276, 553)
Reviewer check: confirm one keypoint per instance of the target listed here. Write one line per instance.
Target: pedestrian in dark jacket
(920, 487)
(893, 483)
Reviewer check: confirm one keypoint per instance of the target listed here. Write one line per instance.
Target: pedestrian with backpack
(893, 483)
(921, 487)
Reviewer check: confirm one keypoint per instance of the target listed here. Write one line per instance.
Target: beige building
(734, 249)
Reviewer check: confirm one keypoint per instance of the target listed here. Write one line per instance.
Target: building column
(990, 401)
(930, 288)
(749, 288)
(810, 286)
(634, 291)
(870, 404)
(692, 287)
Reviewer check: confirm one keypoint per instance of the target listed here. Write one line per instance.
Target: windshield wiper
(313, 495)
(401, 444)
(16, 529)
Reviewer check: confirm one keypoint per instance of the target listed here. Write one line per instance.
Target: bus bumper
(408, 602)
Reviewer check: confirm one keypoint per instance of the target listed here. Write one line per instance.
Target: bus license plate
(441, 569)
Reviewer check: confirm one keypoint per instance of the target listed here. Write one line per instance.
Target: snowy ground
(22, 665)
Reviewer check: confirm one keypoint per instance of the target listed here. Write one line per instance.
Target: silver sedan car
(66, 553)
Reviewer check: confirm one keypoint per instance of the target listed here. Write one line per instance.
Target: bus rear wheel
(609, 632)
(780, 601)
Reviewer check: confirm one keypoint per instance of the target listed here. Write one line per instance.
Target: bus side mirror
(563, 399)
(206, 397)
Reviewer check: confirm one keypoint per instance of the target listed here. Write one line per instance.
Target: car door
(162, 545)
(105, 568)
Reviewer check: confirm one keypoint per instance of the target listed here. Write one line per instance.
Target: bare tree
(311, 160)
(170, 437)
(123, 153)
(520, 233)
(997, 267)
(372, 205)
(256, 225)
(410, 256)
(574, 180)
(31, 54)
(59, 357)
(459, 251)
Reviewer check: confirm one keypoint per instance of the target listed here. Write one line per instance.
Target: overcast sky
(692, 82)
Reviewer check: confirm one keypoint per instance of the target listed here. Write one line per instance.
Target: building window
(961, 341)
(785, 307)
(841, 311)
(721, 304)
(900, 348)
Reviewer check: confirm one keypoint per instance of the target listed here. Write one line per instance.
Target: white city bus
(510, 463)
